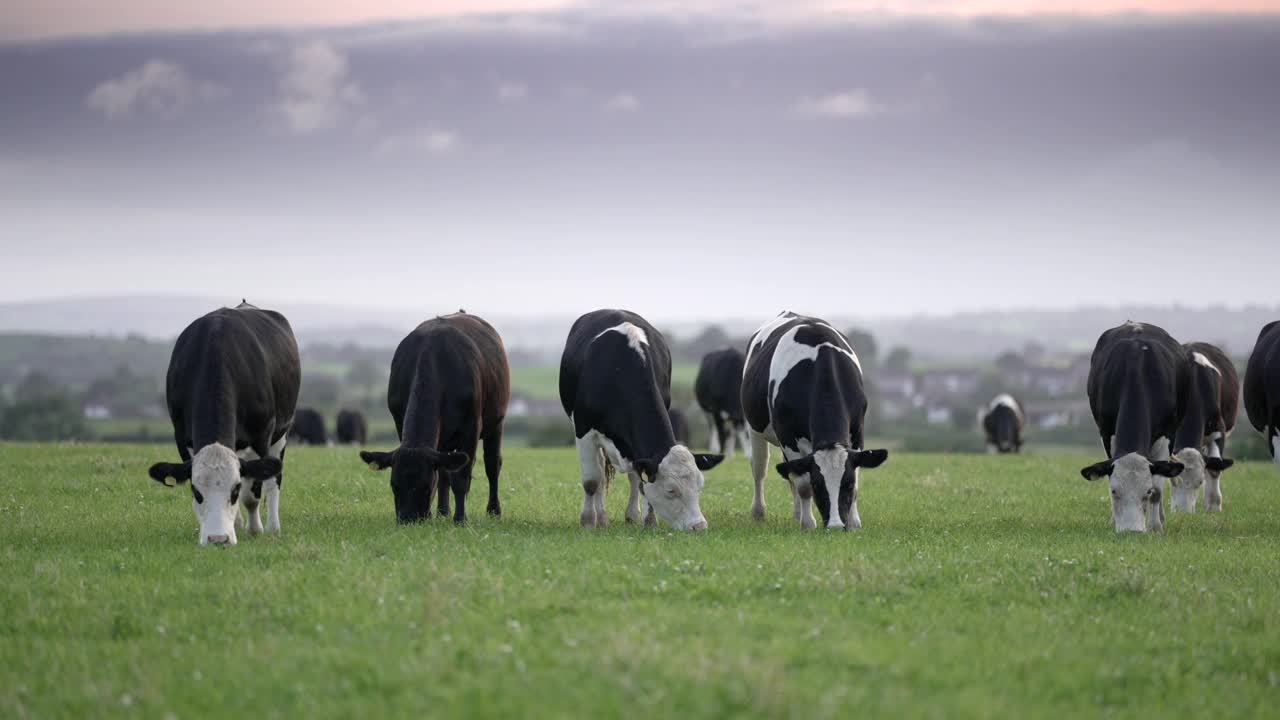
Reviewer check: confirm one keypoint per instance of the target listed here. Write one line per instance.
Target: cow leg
(493, 467)
(730, 439)
(250, 499)
(804, 497)
(759, 462)
(1275, 448)
(634, 513)
(1213, 480)
(443, 487)
(460, 481)
(713, 434)
(744, 441)
(591, 463)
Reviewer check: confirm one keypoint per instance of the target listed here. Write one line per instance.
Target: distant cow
(802, 391)
(1213, 401)
(1262, 387)
(615, 385)
(352, 428)
(1138, 381)
(308, 428)
(448, 390)
(1003, 422)
(719, 392)
(679, 426)
(231, 389)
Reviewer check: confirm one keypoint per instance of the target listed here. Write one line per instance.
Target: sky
(685, 160)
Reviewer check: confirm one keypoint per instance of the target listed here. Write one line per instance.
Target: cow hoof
(602, 519)
(808, 523)
(495, 510)
(587, 520)
(757, 512)
(650, 520)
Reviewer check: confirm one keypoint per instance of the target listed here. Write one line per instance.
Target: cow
(448, 391)
(1138, 380)
(679, 426)
(615, 386)
(231, 389)
(1213, 401)
(1262, 387)
(1003, 422)
(719, 393)
(308, 427)
(802, 390)
(352, 428)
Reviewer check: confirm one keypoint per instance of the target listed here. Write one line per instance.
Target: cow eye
(673, 493)
(1115, 494)
(196, 494)
(235, 494)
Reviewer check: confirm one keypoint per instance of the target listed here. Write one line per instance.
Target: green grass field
(980, 587)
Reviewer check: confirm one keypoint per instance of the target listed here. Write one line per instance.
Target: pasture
(980, 586)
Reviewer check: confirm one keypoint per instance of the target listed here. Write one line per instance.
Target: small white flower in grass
(514, 625)
(126, 700)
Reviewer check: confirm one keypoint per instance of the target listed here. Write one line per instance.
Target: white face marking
(1186, 486)
(636, 338)
(675, 491)
(215, 474)
(764, 332)
(831, 463)
(1131, 481)
(788, 353)
(1202, 360)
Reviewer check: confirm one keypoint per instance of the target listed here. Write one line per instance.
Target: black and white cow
(802, 391)
(352, 428)
(1138, 381)
(231, 389)
(1213, 401)
(308, 428)
(1262, 387)
(615, 385)
(679, 426)
(448, 391)
(719, 393)
(1003, 422)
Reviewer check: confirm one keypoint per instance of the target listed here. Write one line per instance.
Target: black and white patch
(1213, 401)
(718, 389)
(1262, 387)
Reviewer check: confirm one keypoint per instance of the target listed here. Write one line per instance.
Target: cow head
(831, 476)
(672, 487)
(216, 474)
(413, 476)
(1197, 468)
(1135, 490)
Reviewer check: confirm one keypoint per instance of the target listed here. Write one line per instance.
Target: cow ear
(260, 469)
(378, 460)
(1167, 468)
(1218, 464)
(1097, 470)
(869, 458)
(170, 474)
(452, 461)
(799, 466)
(706, 461)
(646, 468)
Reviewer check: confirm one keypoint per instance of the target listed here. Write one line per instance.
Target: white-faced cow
(448, 391)
(802, 391)
(615, 385)
(1003, 422)
(308, 428)
(1262, 387)
(351, 427)
(1213, 401)
(231, 389)
(719, 393)
(1138, 380)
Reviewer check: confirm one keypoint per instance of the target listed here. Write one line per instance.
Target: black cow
(352, 428)
(1138, 384)
(719, 393)
(1213, 401)
(231, 389)
(802, 391)
(615, 385)
(679, 426)
(308, 427)
(448, 390)
(1003, 423)
(1262, 387)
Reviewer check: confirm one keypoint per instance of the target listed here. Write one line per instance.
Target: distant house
(96, 411)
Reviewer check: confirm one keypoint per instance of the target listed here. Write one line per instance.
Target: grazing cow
(308, 428)
(352, 428)
(448, 390)
(615, 385)
(802, 391)
(719, 392)
(1213, 401)
(1003, 422)
(1262, 387)
(231, 390)
(679, 426)
(1138, 380)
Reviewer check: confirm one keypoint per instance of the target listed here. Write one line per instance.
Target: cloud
(156, 87)
(850, 104)
(316, 91)
(622, 102)
(512, 91)
(425, 141)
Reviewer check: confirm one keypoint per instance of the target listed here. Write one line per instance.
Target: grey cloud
(157, 86)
